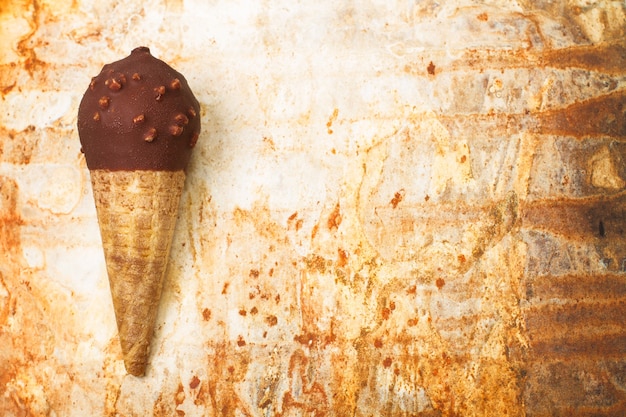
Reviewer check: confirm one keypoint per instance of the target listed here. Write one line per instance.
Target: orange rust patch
(334, 220)
(599, 116)
(607, 58)
(331, 120)
(195, 381)
(608, 286)
(314, 231)
(342, 258)
(179, 398)
(577, 218)
(397, 198)
(271, 320)
(10, 220)
(431, 68)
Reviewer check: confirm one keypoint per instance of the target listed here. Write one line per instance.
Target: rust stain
(270, 143)
(311, 400)
(227, 367)
(600, 116)
(575, 387)
(331, 120)
(483, 17)
(387, 362)
(271, 320)
(194, 383)
(607, 58)
(10, 219)
(31, 63)
(579, 218)
(572, 346)
(440, 283)
(342, 258)
(575, 319)
(179, 396)
(20, 146)
(34, 309)
(608, 286)
(397, 198)
(334, 219)
(430, 68)
(5, 88)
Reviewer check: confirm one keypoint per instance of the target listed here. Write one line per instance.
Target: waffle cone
(137, 213)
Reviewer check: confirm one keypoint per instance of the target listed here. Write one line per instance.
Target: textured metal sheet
(394, 209)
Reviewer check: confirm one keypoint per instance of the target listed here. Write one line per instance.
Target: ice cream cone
(138, 122)
(137, 213)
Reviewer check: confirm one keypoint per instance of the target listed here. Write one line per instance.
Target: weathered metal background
(394, 208)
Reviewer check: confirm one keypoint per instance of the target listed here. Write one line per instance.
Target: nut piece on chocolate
(138, 114)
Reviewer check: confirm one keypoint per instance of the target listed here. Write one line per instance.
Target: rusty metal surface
(394, 209)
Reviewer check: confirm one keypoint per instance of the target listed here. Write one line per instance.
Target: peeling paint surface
(398, 209)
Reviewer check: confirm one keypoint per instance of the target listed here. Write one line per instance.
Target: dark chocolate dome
(138, 113)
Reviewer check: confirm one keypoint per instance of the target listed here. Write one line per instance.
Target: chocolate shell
(138, 114)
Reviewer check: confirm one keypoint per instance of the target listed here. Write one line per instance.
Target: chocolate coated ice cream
(138, 114)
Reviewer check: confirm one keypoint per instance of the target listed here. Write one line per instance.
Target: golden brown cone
(137, 213)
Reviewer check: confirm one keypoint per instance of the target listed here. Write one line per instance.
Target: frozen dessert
(138, 122)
